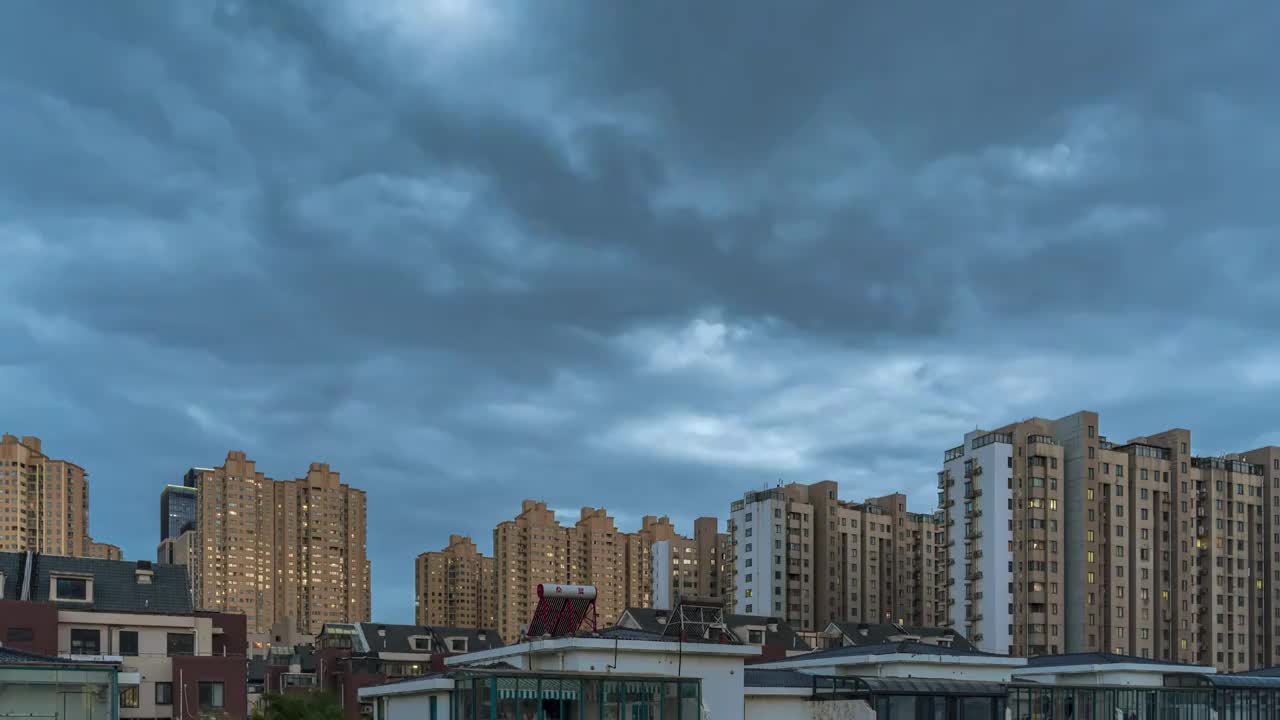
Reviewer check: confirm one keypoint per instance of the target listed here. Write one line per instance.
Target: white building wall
(994, 525)
(415, 707)
(660, 556)
(757, 596)
(778, 707)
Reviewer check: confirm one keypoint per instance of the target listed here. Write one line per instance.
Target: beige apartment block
(533, 548)
(456, 587)
(44, 502)
(801, 553)
(280, 552)
(177, 550)
(322, 568)
(103, 551)
(683, 566)
(1165, 554)
(530, 549)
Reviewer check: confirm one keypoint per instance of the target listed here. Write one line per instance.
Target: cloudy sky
(640, 255)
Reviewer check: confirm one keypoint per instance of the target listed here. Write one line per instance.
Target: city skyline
(639, 256)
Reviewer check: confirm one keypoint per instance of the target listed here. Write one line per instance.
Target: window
(86, 642)
(71, 588)
(19, 634)
(1119, 470)
(164, 693)
(755, 637)
(458, 644)
(129, 642)
(181, 644)
(129, 696)
(210, 695)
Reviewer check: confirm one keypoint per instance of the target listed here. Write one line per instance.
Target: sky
(646, 256)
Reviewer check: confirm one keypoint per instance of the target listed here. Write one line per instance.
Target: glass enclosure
(535, 696)
(1095, 703)
(38, 692)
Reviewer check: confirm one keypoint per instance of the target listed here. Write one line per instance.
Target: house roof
(905, 648)
(880, 633)
(1092, 658)
(777, 632)
(381, 637)
(115, 583)
(11, 656)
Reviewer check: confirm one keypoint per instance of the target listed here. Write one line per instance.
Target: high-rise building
(44, 502)
(534, 548)
(176, 551)
(178, 505)
(234, 554)
(280, 552)
(530, 549)
(681, 566)
(1002, 496)
(801, 553)
(456, 587)
(322, 565)
(1139, 548)
(103, 551)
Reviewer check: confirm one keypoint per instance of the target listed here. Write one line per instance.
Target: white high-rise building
(772, 554)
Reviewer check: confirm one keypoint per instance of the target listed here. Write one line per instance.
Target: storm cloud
(639, 255)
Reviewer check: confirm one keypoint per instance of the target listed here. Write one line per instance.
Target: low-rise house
(350, 656)
(174, 661)
(774, 636)
(846, 634)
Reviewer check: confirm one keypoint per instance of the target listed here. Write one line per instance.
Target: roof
(776, 678)
(1213, 680)
(1260, 672)
(778, 633)
(1092, 658)
(12, 656)
(381, 637)
(879, 633)
(904, 648)
(908, 686)
(115, 583)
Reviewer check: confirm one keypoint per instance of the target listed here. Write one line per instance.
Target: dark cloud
(641, 255)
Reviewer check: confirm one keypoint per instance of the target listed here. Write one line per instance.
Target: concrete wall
(416, 707)
(722, 686)
(785, 707)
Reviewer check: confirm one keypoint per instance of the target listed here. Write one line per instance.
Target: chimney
(143, 572)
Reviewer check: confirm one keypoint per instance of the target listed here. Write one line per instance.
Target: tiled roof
(1093, 658)
(395, 638)
(880, 633)
(115, 585)
(909, 648)
(651, 620)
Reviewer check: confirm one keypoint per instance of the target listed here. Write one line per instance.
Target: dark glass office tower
(177, 510)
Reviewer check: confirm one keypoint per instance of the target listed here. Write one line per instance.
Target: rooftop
(115, 583)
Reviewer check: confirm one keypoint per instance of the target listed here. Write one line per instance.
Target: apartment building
(322, 567)
(178, 550)
(289, 552)
(1004, 539)
(174, 661)
(1163, 554)
(682, 566)
(534, 548)
(456, 586)
(802, 553)
(103, 551)
(44, 502)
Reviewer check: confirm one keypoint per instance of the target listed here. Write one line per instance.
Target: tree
(299, 706)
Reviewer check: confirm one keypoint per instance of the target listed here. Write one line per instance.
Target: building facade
(456, 586)
(288, 552)
(178, 506)
(44, 502)
(1139, 548)
(174, 661)
(801, 553)
(103, 551)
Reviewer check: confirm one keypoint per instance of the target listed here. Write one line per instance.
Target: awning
(858, 684)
